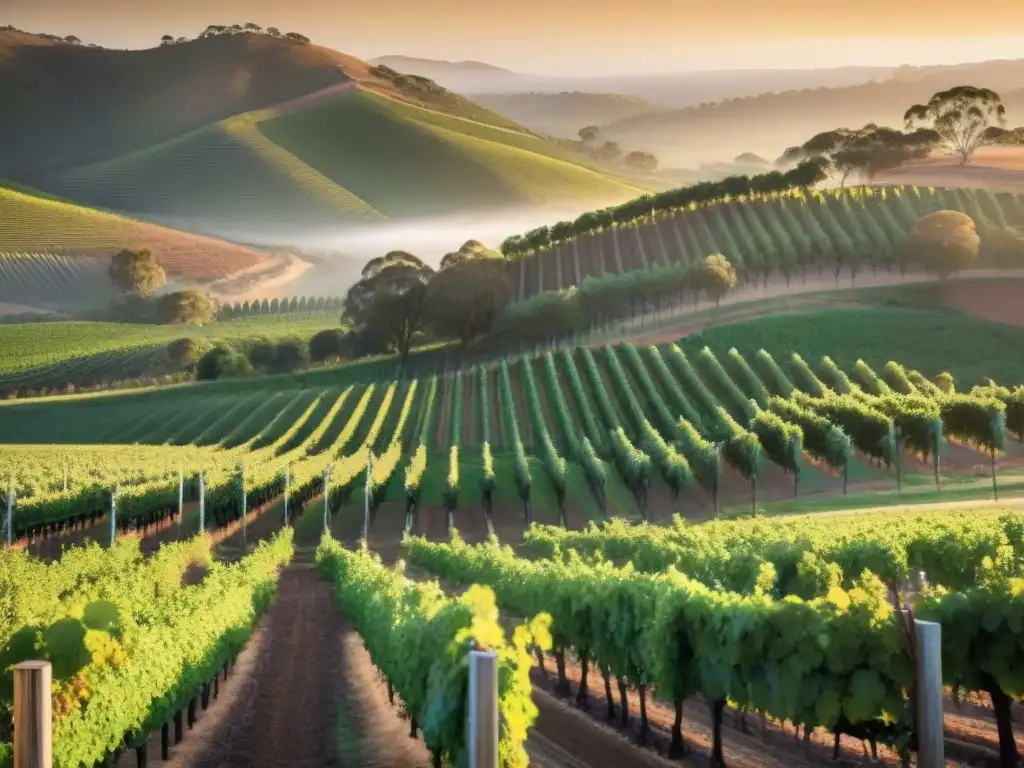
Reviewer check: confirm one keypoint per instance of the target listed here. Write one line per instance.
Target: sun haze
(577, 37)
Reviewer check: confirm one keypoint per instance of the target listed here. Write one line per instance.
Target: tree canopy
(642, 161)
(961, 117)
(389, 301)
(184, 352)
(866, 151)
(192, 306)
(944, 242)
(716, 275)
(222, 361)
(468, 293)
(136, 272)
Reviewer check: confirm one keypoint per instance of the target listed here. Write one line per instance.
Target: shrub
(185, 352)
(221, 362)
(326, 345)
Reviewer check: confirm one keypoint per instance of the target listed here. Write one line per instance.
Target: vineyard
(556, 439)
(790, 233)
(632, 432)
(54, 281)
(31, 223)
(55, 354)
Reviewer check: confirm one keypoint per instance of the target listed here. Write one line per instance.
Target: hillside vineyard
(849, 230)
(639, 433)
(618, 415)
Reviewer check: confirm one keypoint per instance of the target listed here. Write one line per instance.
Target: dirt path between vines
(302, 694)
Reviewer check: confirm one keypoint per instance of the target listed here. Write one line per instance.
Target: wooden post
(202, 503)
(33, 715)
(928, 650)
(287, 484)
(366, 499)
(10, 514)
(483, 709)
(113, 516)
(327, 498)
(245, 543)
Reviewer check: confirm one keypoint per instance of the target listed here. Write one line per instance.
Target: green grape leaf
(64, 645)
(102, 615)
(865, 696)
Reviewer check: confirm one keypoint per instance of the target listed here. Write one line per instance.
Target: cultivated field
(283, 163)
(852, 231)
(33, 224)
(51, 355)
(53, 281)
(562, 438)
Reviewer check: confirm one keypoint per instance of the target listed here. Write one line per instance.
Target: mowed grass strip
(29, 223)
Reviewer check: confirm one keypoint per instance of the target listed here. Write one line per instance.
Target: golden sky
(576, 36)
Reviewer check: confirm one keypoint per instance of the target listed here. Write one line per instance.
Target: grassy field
(928, 340)
(32, 224)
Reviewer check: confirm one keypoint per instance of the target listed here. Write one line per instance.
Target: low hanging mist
(429, 238)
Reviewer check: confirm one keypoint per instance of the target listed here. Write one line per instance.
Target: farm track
(685, 321)
(303, 693)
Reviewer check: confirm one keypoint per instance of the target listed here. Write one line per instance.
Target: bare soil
(303, 693)
(1000, 169)
(998, 301)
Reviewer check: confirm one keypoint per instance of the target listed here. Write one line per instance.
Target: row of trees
(943, 242)
(804, 176)
(281, 306)
(249, 28)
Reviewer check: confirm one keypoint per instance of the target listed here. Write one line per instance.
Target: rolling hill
(669, 90)
(30, 223)
(249, 129)
(563, 114)
(723, 129)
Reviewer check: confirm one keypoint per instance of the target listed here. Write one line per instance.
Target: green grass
(930, 341)
(917, 491)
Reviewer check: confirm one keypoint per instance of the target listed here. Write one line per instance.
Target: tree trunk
(624, 703)
(717, 755)
(1008, 754)
(581, 693)
(677, 748)
(606, 676)
(540, 659)
(643, 715)
(562, 687)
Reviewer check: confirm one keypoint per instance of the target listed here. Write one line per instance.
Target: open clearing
(997, 168)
